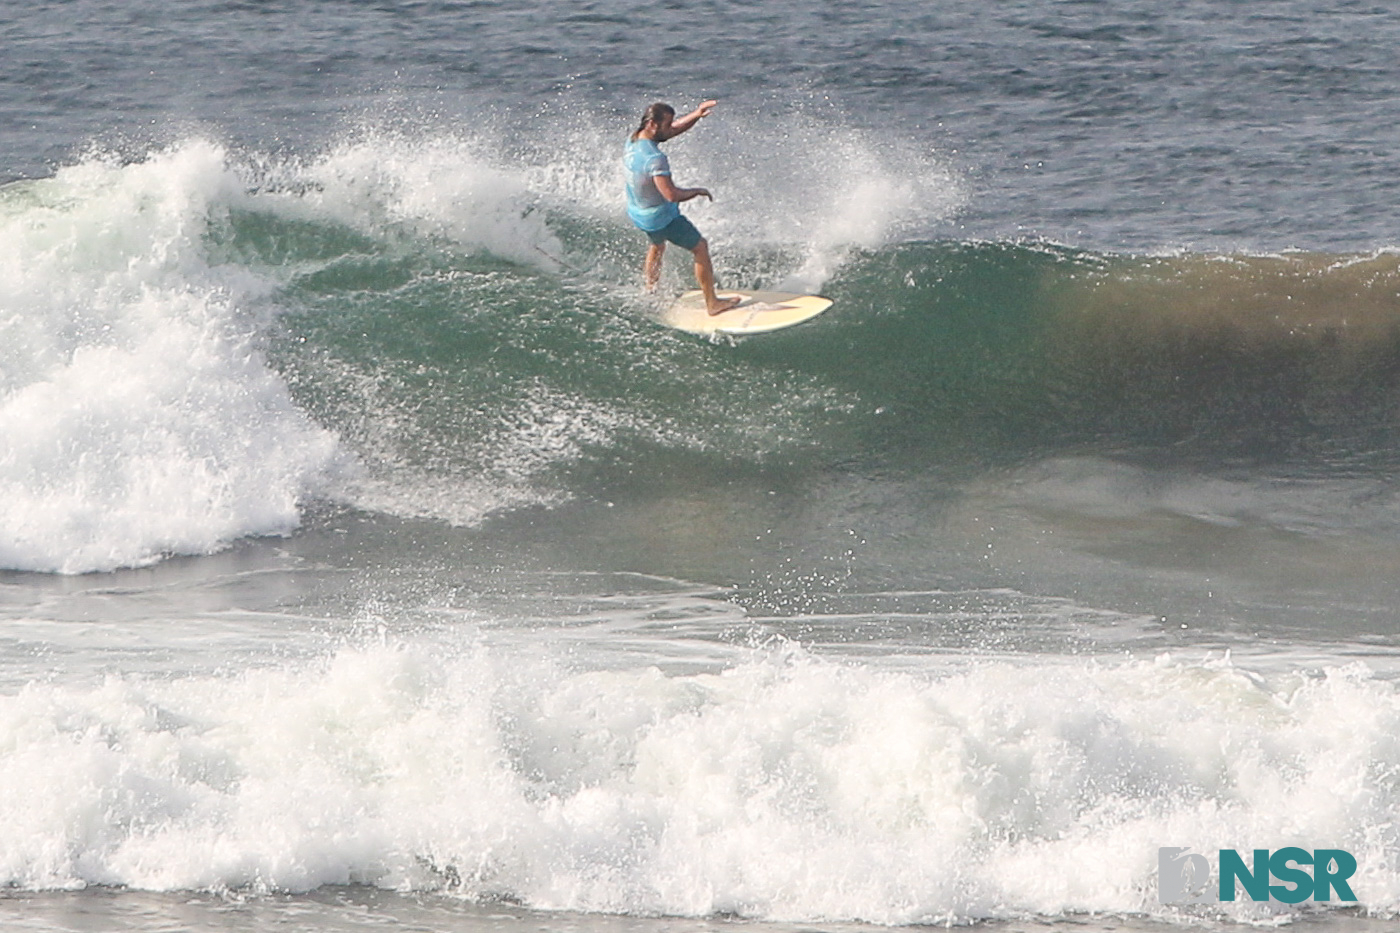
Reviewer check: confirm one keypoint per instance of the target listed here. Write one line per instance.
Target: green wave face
(941, 356)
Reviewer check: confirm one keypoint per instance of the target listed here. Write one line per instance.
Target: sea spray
(138, 417)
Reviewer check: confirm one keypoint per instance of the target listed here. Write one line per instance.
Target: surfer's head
(658, 116)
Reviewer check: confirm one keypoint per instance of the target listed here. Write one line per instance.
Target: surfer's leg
(705, 275)
(651, 270)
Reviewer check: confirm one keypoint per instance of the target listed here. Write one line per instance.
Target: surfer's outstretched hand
(681, 124)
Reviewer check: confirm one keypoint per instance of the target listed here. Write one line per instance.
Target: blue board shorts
(679, 231)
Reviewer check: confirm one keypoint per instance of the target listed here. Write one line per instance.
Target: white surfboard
(758, 313)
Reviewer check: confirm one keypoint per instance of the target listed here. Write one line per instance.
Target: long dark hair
(654, 114)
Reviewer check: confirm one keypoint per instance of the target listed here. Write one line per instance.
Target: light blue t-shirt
(645, 205)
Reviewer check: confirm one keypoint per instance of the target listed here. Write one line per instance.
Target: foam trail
(783, 788)
(138, 417)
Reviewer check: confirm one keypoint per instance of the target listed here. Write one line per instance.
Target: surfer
(652, 199)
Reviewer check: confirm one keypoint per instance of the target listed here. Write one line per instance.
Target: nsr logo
(1184, 877)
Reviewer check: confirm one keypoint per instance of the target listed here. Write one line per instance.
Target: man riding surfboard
(653, 199)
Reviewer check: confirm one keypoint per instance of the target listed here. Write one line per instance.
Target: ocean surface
(372, 559)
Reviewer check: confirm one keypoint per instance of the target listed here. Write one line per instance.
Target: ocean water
(372, 559)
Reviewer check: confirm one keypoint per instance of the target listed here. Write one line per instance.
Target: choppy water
(372, 556)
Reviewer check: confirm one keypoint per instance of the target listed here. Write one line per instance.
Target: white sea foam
(785, 787)
(539, 429)
(136, 416)
(428, 185)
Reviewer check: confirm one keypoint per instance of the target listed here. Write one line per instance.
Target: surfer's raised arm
(681, 124)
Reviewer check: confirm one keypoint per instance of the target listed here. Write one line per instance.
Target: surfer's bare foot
(722, 305)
